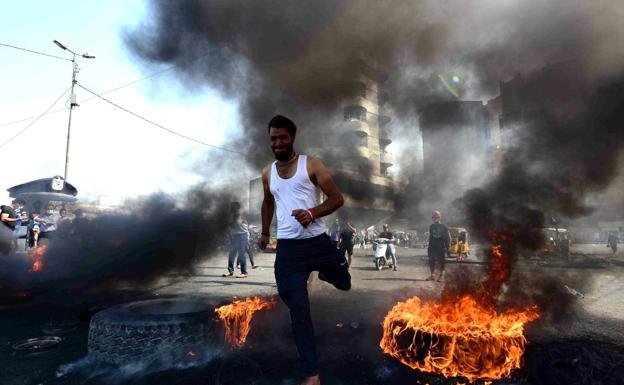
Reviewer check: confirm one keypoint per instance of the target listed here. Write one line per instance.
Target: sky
(113, 155)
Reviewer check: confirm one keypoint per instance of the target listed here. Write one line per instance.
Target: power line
(156, 124)
(35, 52)
(95, 97)
(34, 121)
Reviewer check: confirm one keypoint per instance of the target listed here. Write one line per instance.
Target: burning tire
(152, 330)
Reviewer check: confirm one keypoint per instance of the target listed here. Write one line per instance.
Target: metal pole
(71, 107)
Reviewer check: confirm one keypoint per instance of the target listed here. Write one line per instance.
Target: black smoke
(152, 237)
(301, 58)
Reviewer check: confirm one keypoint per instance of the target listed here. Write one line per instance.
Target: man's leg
(393, 256)
(231, 257)
(241, 242)
(432, 263)
(441, 263)
(292, 281)
(329, 262)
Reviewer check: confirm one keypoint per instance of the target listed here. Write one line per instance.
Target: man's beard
(285, 155)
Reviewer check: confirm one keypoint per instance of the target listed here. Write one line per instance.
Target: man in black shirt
(386, 233)
(9, 218)
(439, 243)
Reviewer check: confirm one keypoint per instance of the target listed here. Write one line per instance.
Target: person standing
(10, 219)
(239, 239)
(292, 184)
(334, 233)
(346, 241)
(439, 244)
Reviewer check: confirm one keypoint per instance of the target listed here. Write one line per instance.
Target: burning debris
(456, 339)
(464, 335)
(236, 317)
(37, 257)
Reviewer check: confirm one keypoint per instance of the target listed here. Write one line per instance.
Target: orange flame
(461, 338)
(237, 317)
(463, 335)
(37, 257)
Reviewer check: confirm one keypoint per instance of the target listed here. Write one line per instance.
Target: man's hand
(302, 216)
(263, 242)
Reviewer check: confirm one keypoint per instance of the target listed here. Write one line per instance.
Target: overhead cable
(34, 121)
(157, 124)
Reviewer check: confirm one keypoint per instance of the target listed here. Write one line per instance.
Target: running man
(291, 183)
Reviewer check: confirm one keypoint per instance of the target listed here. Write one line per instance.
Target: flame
(463, 335)
(37, 257)
(237, 317)
(459, 338)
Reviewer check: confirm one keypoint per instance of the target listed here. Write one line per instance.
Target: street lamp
(72, 98)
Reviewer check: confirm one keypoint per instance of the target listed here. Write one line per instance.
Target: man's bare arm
(319, 175)
(268, 208)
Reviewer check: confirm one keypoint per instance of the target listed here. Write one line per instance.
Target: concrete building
(456, 145)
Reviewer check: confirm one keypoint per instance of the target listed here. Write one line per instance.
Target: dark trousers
(238, 244)
(436, 256)
(295, 260)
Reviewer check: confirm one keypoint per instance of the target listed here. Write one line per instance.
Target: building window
(360, 89)
(352, 113)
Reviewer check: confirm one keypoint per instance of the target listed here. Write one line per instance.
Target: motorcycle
(383, 248)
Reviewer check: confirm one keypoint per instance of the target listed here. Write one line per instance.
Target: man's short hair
(280, 121)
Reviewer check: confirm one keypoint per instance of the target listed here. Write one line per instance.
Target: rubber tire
(377, 264)
(136, 332)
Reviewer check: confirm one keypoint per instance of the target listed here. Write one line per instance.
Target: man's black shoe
(345, 286)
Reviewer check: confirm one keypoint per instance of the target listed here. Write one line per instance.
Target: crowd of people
(33, 225)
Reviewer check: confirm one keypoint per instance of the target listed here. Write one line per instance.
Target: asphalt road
(598, 316)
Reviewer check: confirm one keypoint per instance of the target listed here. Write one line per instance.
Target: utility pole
(72, 98)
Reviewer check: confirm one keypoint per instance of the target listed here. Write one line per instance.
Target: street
(347, 323)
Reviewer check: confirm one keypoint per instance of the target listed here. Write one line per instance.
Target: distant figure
(334, 233)
(10, 219)
(239, 238)
(33, 230)
(346, 240)
(439, 244)
(386, 233)
(612, 241)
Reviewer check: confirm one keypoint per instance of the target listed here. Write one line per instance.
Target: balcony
(385, 135)
(387, 159)
(383, 120)
(357, 126)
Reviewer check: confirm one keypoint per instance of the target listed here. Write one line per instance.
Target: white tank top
(296, 192)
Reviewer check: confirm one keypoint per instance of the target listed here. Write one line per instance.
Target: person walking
(346, 241)
(439, 243)
(239, 238)
(292, 184)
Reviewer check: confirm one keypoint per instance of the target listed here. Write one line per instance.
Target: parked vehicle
(460, 248)
(557, 242)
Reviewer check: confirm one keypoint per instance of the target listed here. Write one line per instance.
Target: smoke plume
(158, 235)
(301, 59)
